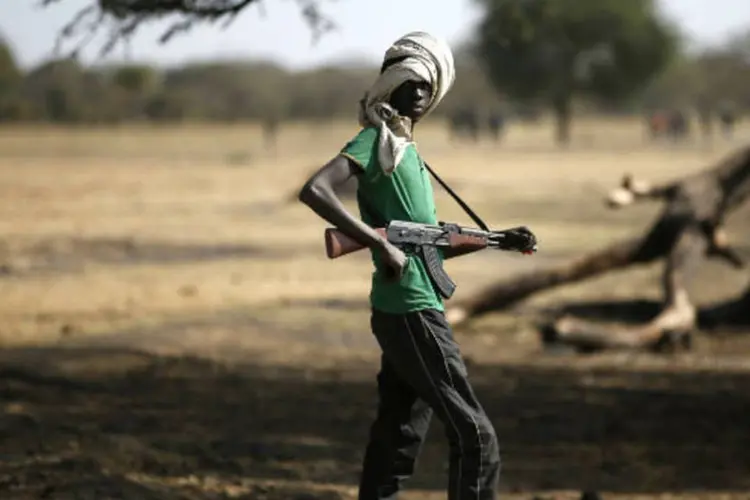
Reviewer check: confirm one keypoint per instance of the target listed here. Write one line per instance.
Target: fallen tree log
(731, 313)
(671, 328)
(689, 227)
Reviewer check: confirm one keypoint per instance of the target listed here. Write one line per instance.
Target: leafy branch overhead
(120, 19)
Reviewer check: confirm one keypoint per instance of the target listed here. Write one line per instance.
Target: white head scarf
(427, 58)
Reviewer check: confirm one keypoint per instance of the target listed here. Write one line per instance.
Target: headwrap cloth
(426, 58)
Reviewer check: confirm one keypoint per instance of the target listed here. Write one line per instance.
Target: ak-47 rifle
(414, 234)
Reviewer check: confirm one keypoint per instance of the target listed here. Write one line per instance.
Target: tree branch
(122, 18)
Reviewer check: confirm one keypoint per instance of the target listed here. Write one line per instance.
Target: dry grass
(104, 230)
(184, 239)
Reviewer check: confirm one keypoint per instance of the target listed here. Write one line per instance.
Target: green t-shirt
(404, 195)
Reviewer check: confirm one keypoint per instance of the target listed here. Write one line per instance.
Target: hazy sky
(365, 29)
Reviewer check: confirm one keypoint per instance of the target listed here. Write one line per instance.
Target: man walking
(422, 371)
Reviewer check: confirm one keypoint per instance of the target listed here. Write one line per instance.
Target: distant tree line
(64, 91)
(526, 57)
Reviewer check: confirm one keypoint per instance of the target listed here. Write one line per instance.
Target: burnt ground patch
(70, 255)
(91, 433)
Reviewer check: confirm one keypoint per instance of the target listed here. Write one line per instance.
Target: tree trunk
(677, 319)
(689, 227)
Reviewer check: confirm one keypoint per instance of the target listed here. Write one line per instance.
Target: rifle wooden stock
(466, 242)
(339, 244)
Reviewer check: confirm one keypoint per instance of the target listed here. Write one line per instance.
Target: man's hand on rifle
(394, 260)
(519, 238)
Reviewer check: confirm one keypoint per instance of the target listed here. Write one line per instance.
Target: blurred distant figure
(658, 124)
(464, 123)
(679, 126)
(727, 119)
(496, 125)
(270, 127)
(706, 121)
(672, 124)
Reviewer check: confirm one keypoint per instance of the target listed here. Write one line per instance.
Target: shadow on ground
(71, 255)
(104, 423)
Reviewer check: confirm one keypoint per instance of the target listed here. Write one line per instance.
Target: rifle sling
(477, 220)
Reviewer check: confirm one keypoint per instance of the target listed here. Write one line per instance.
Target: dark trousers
(422, 373)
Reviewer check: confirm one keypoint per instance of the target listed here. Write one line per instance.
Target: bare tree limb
(689, 228)
(120, 19)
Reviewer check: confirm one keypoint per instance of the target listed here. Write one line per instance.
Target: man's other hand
(519, 238)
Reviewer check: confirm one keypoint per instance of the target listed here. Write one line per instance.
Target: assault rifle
(413, 234)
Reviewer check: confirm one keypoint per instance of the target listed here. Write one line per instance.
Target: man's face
(411, 99)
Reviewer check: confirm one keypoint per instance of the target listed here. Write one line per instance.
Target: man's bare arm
(319, 194)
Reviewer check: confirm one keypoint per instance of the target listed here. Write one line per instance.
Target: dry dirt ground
(171, 328)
